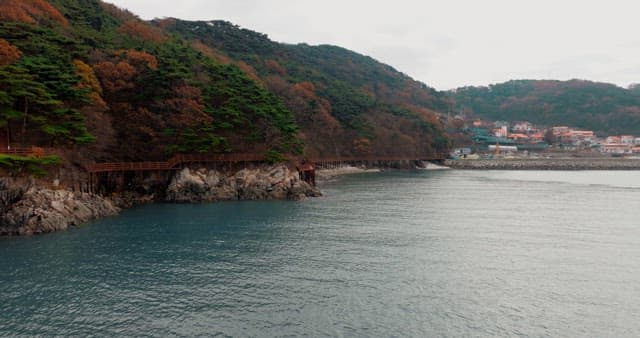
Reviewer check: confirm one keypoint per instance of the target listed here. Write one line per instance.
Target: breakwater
(547, 164)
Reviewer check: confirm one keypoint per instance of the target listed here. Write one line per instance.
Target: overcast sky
(446, 43)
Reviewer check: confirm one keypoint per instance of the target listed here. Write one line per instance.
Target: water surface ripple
(430, 253)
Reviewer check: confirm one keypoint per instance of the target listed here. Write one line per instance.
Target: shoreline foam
(323, 175)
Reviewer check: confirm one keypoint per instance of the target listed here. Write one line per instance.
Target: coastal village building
(627, 139)
(581, 137)
(622, 139)
(527, 136)
(557, 131)
(501, 131)
(574, 138)
(523, 127)
(518, 137)
(613, 140)
(616, 148)
(623, 144)
(537, 136)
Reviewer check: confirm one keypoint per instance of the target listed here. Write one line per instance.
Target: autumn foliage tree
(213, 53)
(121, 77)
(119, 73)
(136, 29)
(115, 76)
(30, 11)
(120, 14)
(186, 107)
(249, 70)
(139, 59)
(274, 66)
(362, 146)
(8, 53)
(89, 82)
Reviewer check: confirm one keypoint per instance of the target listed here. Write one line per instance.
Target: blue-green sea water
(424, 254)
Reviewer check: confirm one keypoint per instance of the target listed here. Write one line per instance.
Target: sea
(431, 253)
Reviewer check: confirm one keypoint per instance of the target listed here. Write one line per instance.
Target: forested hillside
(94, 80)
(346, 104)
(604, 108)
(98, 84)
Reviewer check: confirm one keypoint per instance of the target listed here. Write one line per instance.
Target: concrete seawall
(547, 164)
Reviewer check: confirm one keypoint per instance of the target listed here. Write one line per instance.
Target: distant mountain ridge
(601, 107)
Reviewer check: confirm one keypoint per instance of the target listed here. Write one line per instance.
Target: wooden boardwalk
(27, 151)
(117, 176)
(176, 161)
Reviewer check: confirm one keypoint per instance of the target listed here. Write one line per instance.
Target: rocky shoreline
(324, 175)
(263, 183)
(547, 164)
(30, 207)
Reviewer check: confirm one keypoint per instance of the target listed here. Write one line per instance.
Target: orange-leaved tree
(30, 11)
(8, 53)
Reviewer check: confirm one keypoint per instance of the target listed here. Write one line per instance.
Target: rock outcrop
(263, 182)
(29, 208)
(41, 210)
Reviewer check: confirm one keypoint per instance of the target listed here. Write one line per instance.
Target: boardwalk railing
(179, 159)
(174, 162)
(26, 151)
(438, 156)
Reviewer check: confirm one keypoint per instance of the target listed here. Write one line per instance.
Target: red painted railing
(27, 151)
(176, 160)
(439, 156)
